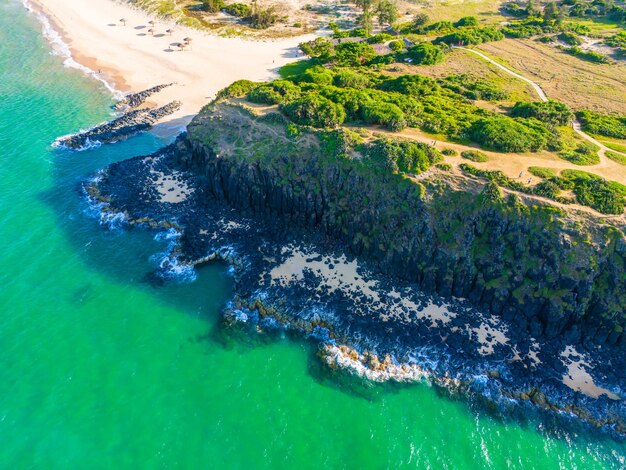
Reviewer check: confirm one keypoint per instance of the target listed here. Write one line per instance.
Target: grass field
(580, 84)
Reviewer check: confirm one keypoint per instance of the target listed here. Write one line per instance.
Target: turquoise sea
(100, 368)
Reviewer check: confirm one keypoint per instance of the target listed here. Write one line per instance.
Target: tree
(426, 54)
(420, 20)
(387, 11)
(212, 6)
(354, 54)
(551, 12)
(320, 48)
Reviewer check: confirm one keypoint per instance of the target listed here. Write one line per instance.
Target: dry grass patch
(580, 84)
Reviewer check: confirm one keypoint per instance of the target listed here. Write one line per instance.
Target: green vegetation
(237, 89)
(240, 10)
(512, 135)
(541, 172)
(585, 153)
(596, 192)
(278, 91)
(550, 112)
(591, 56)
(449, 152)
(609, 125)
(212, 6)
(402, 156)
(471, 36)
(473, 88)
(616, 157)
(570, 38)
(607, 197)
(426, 54)
(314, 110)
(475, 156)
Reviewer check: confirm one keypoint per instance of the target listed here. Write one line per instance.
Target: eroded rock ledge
(399, 279)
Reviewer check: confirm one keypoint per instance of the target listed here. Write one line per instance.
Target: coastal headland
(399, 274)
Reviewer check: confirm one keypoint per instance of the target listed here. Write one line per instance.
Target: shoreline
(381, 330)
(130, 60)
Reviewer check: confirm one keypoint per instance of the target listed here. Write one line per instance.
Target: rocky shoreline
(371, 324)
(131, 122)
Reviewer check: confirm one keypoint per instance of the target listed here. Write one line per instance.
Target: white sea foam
(61, 49)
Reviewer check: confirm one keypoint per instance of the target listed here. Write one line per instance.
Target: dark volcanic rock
(120, 128)
(133, 100)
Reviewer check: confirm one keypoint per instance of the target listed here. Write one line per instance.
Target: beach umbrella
(123, 21)
(187, 41)
(169, 31)
(151, 23)
(151, 31)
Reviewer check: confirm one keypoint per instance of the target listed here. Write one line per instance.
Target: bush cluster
(471, 36)
(609, 125)
(550, 112)
(402, 156)
(512, 135)
(475, 156)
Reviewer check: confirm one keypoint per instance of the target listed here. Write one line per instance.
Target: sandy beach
(133, 59)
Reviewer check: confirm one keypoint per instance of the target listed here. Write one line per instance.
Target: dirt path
(542, 95)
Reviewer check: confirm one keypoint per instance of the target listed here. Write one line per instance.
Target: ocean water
(102, 368)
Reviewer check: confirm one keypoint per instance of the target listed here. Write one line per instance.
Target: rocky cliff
(553, 273)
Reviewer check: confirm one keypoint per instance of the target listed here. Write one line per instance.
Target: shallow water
(101, 368)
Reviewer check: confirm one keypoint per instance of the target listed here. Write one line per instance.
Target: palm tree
(123, 21)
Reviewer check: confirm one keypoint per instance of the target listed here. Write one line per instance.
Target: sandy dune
(134, 59)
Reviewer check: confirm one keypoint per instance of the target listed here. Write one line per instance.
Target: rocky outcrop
(132, 100)
(553, 274)
(120, 128)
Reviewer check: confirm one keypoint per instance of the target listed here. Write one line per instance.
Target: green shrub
(240, 10)
(551, 112)
(403, 156)
(353, 54)
(414, 85)
(379, 38)
(600, 194)
(278, 91)
(397, 45)
(314, 110)
(472, 88)
(475, 156)
(471, 36)
(319, 48)
(541, 172)
(237, 89)
(449, 152)
(610, 125)
(570, 38)
(590, 56)
(467, 21)
(616, 157)
(585, 153)
(511, 135)
(385, 114)
(444, 166)
(426, 54)
(319, 75)
(263, 17)
(350, 79)
(212, 6)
